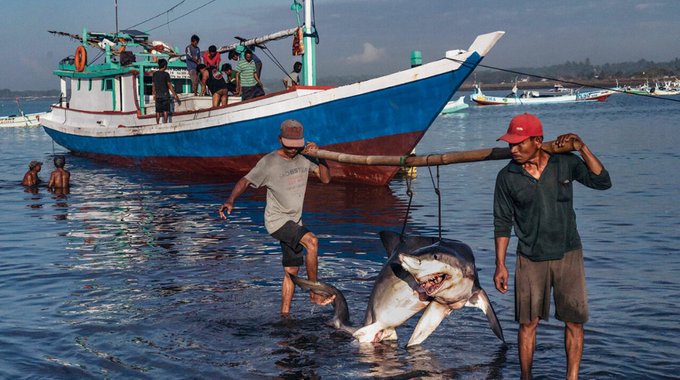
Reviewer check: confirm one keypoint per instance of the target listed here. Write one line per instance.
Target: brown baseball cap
(292, 134)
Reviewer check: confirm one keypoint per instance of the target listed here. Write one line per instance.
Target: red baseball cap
(521, 128)
(292, 134)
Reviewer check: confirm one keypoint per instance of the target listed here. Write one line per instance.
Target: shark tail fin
(481, 300)
(341, 317)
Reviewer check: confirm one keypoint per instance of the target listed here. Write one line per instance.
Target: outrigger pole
(436, 159)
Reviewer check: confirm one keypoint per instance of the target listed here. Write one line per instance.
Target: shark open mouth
(433, 282)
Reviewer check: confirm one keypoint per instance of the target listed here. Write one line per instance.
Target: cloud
(369, 55)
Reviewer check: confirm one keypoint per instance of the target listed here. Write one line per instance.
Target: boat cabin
(122, 81)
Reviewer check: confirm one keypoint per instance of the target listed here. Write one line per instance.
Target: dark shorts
(289, 235)
(163, 103)
(251, 92)
(566, 277)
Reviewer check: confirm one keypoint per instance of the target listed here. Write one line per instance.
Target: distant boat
(536, 97)
(21, 120)
(107, 111)
(455, 106)
(24, 120)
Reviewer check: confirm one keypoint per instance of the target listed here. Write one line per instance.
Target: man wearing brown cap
(284, 172)
(31, 176)
(534, 194)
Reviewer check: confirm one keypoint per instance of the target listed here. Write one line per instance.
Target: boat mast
(309, 56)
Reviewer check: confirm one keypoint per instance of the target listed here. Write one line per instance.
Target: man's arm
(172, 90)
(52, 182)
(239, 188)
(500, 278)
(204, 80)
(322, 172)
(591, 161)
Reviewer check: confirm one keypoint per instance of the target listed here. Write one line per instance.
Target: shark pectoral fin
(481, 300)
(389, 334)
(432, 317)
(370, 333)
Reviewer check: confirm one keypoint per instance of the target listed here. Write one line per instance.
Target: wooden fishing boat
(536, 97)
(107, 112)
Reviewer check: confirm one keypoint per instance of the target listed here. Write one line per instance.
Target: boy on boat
(60, 177)
(31, 176)
(284, 172)
(193, 58)
(160, 90)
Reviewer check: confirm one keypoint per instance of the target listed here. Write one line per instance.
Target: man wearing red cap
(284, 172)
(534, 195)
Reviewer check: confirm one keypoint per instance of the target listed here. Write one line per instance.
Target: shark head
(440, 273)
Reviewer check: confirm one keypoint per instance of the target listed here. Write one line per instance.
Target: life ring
(81, 58)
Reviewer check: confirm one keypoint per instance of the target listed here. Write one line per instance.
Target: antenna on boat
(116, 5)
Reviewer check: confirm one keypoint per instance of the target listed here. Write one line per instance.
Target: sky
(356, 37)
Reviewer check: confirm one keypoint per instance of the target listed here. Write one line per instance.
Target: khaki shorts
(534, 279)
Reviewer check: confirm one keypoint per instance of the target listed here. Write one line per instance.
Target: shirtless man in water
(59, 179)
(31, 176)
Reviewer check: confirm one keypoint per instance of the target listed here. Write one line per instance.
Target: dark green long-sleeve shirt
(542, 211)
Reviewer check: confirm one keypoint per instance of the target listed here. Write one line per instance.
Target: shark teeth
(432, 283)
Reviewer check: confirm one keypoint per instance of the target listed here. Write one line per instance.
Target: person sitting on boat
(230, 77)
(247, 80)
(284, 172)
(161, 87)
(31, 176)
(193, 58)
(211, 58)
(212, 79)
(293, 78)
(60, 177)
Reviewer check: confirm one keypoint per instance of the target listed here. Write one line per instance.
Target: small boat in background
(536, 97)
(21, 120)
(455, 106)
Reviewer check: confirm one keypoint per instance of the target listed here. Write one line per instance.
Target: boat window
(78, 84)
(89, 86)
(107, 84)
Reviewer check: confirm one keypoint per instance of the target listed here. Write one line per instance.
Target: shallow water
(133, 275)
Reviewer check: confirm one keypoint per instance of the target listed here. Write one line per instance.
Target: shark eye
(436, 256)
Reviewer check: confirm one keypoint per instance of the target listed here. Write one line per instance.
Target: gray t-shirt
(286, 183)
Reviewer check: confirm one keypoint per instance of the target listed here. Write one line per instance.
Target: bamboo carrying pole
(436, 159)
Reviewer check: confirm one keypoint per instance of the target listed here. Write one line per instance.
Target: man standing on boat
(247, 78)
(534, 194)
(284, 172)
(193, 58)
(161, 87)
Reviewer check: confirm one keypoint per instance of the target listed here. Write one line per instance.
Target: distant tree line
(587, 71)
(9, 94)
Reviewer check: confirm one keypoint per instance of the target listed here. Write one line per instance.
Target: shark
(421, 272)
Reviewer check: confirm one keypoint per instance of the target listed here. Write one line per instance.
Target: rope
(439, 195)
(179, 17)
(156, 16)
(464, 63)
(409, 192)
